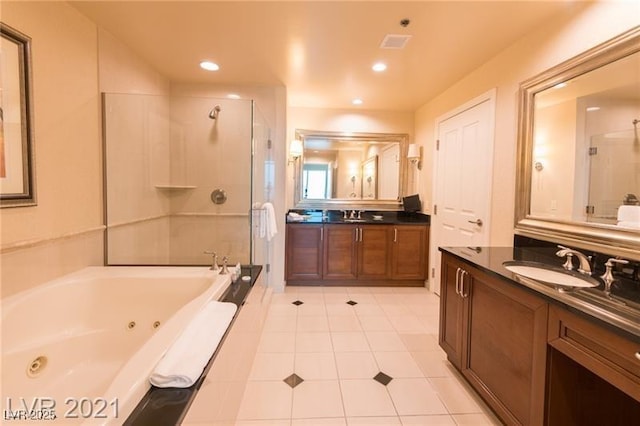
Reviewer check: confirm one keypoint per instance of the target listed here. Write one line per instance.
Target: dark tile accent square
(382, 378)
(293, 380)
(297, 302)
(351, 302)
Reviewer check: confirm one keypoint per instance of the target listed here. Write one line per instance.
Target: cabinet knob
(637, 354)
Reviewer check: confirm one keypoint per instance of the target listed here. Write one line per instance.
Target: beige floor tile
(254, 423)
(330, 289)
(375, 323)
(397, 364)
(349, 341)
(271, 366)
(316, 366)
(312, 309)
(368, 309)
(457, 396)
(312, 323)
(436, 420)
(277, 342)
(366, 398)
(344, 323)
(476, 420)
(383, 341)
(266, 401)
(420, 342)
(356, 365)
(280, 323)
(336, 421)
(415, 397)
(336, 298)
(282, 309)
(373, 421)
(358, 290)
(394, 309)
(433, 364)
(341, 309)
(317, 398)
(314, 342)
(407, 323)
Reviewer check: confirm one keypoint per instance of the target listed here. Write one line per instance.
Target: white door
(388, 172)
(462, 186)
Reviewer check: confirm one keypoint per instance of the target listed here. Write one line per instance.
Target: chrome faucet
(608, 277)
(225, 270)
(585, 266)
(352, 215)
(214, 261)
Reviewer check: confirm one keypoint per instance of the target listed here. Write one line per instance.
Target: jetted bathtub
(81, 348)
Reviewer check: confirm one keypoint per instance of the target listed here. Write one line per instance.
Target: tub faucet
(225, 270)
(214, 261)
(585, 266)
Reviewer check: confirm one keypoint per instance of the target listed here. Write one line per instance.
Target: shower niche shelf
(175, 187)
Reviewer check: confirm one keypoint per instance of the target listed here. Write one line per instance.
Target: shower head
(213, 114)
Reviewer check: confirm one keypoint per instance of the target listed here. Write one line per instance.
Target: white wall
(559, 40)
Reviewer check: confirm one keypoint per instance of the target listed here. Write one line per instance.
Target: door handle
(462, 293)
(476, 222)
(458, 281)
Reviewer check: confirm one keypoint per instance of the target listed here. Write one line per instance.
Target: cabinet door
(409, 252)
(451, 310)
(304, 252)
(340, 244)
(504, 352)
(373, 252)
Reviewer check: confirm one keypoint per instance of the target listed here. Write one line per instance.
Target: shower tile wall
(159, 141)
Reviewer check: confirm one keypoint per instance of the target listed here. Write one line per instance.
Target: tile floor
(356, 356)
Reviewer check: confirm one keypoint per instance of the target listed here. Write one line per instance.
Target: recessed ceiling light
(233, 96)
(209, 66)
(593, 108)
(357, 101)
(560, 85)
(379, 66)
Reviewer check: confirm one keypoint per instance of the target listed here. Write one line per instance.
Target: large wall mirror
(350, 170)
(579, 150)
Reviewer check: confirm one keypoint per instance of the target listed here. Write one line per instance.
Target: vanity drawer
(607, 354)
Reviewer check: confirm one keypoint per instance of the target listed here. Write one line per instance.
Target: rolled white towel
(185, 360)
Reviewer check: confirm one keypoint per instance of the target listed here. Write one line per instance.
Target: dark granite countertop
(366, 217)
(621, 312)
(168, 406)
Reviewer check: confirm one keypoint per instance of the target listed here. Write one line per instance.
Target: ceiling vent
(394, 41)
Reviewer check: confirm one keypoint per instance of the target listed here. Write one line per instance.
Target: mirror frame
(345, 203)
(591, 236)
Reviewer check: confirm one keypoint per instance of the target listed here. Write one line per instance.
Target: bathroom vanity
(535, 354)
(331, 249)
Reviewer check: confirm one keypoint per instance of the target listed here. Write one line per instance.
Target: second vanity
(535, 354)
(357, 248)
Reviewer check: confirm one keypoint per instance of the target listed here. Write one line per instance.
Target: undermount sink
(550, 274)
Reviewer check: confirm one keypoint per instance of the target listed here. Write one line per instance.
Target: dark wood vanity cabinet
(303, 258)
(357, 254)
(495, 334)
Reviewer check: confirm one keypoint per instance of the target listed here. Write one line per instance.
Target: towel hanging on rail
(268, 222)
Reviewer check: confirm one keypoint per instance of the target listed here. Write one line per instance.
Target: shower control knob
(218, 196)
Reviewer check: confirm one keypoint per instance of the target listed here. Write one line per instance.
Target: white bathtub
(84, 345)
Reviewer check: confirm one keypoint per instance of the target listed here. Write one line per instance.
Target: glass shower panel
(263, 176)
(614, 173)
(164, 158)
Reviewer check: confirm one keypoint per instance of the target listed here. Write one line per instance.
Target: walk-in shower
(177, 185)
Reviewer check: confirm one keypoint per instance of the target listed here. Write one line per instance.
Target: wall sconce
(295, 150)
(414, 154)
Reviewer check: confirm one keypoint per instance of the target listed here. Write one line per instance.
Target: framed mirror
(578, 176)
(350, 170)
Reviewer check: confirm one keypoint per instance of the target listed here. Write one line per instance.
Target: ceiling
(323, 51)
